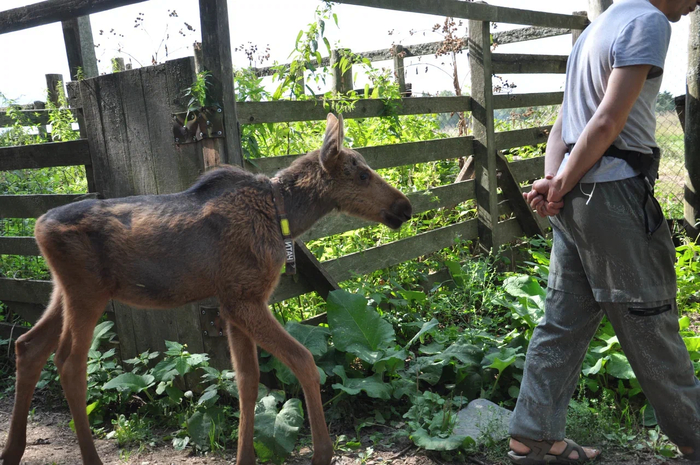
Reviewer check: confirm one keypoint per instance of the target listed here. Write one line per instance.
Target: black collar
(290, 260)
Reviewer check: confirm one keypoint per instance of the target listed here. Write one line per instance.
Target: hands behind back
(546, 196)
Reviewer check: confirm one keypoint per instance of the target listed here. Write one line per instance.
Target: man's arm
(556, 149)
(624, 86)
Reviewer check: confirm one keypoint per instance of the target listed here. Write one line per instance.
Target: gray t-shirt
(630, 32)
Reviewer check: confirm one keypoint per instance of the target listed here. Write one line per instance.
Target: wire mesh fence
(669, 137)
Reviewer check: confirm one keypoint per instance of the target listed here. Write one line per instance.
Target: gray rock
(483, 421)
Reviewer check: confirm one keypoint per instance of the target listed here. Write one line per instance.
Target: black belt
(645, 163)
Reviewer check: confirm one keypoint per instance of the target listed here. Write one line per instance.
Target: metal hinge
(195, 125)
(211, 322)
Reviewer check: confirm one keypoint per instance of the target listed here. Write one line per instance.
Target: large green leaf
(374, 386)
(314, 338)
(101, 331)
(423, 439)
(129, 382)
(202, 423)
(358, 328)
(692, 343)
(276, 432)
(619, 367)
(392, 360)
(427, 326)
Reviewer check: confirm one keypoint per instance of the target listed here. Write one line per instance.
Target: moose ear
(332, 142)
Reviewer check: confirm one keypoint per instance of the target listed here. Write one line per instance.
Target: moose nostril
(403, 209)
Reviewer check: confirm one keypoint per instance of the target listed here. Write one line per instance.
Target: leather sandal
(539, 453)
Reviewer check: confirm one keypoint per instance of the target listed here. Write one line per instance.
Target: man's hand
(546, 196)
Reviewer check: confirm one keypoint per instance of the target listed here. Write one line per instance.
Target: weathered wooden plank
(289, 287)
(438, 197)
(512, 63)
(89, 96)
(28, 311)
(33, 206)
(12, 331)
(481, 71)
(51, 11)
(188, 157)
(80, 48)
(527, 100)
(18, 246)
(216, 57)
(529, 169)
(312, 110)
(384, 156)
(522, 137)
(158, 130)
(527, 33)
(510, 186)
(70, 153)
(25, 290)
(476, 11)
(377, 258)
(136, 136)
(124, 327)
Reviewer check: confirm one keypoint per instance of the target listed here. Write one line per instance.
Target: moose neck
(305, 193)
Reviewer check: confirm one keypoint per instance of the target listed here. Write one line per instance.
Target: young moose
(221, 237)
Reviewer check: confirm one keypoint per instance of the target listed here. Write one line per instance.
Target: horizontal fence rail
(384, 156)
(279, 111)
(512, 63)
(52, 11)
(431, 48)
(477, 11)
(33, 206)
(10, 245)
(35, 117)
(51, 154)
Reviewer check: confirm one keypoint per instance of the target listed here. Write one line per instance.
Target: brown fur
(219, 238)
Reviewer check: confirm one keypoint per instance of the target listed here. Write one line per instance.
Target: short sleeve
(643, 41)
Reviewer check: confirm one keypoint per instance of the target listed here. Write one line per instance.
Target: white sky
(30, 54)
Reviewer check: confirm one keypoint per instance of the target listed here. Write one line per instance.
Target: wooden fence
(137, 155)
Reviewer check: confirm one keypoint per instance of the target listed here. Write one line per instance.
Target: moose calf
(221, 237)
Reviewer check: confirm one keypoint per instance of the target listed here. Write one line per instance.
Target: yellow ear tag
(285, 226)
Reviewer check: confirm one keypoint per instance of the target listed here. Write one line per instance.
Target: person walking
(612, 252)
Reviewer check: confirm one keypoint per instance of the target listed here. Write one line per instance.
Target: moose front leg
(245, 361)
(255, 319)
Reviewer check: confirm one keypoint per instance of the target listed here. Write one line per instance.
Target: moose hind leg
(245, 361)
(32, 349)
(257, 321)
(82, 311)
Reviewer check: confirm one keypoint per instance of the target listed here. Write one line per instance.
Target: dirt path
(50, 441)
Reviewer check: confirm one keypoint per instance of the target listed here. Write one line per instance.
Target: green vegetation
(402, 350)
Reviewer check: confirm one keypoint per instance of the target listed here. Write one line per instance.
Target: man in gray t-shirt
(612, 253)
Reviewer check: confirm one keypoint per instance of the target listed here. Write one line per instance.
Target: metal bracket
(211, 322)
(202, 123)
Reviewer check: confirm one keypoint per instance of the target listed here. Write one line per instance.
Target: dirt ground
(50, 441)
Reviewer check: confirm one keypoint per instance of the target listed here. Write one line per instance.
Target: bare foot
(557, 448)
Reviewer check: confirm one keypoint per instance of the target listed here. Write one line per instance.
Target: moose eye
(364, 176)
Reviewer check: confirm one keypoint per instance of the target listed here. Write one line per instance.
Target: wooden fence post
(118, 65)
(216, 58)
(80, 48)
(597, 7)
(342, 81)
(481, 67)
(399, 70)
(576, 33)
(692, 131)
(54, 83)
